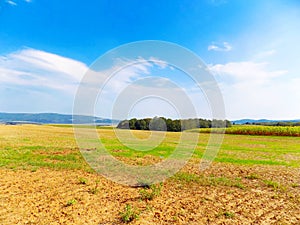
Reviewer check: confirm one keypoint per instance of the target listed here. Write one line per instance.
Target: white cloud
(11, 3)
(25, 73)
(29, 77)
(162, 64)
(28, 1)
(35, 68)
(124, 74)
(252, 90)
(224, 47)
(246, 71)
(32, 70)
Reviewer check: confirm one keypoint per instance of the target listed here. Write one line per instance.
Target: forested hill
(164, 124)
(51, 118)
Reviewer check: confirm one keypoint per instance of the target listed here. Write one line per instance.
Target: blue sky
(251, 47)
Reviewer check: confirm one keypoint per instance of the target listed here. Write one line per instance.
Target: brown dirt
(41, 197)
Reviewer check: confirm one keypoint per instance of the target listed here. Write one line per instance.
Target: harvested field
(34, 190)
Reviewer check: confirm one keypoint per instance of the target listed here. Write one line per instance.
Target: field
(45, 180)
(256, 130)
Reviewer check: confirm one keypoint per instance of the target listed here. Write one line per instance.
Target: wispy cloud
(31, 67)
(35, 68)
(32, 75)
(11, 3)
(257, 90)
(224, 47)
(246, 71)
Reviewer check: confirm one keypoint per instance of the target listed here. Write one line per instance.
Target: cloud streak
(31, 67)
(224, 47)
(247, 71)
(30, 74)
(11, 3)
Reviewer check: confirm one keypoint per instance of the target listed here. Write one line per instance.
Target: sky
(250, 47)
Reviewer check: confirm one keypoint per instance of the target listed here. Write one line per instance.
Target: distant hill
(244, 121)
(52, 118)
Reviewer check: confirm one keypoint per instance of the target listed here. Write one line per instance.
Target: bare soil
(48, 196)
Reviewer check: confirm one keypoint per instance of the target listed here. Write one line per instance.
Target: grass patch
(276, 186)
(71, 202)
(151, 192)
(186, 177)
(82, 180)
(129, 214)
(95, 189)
(252, 176)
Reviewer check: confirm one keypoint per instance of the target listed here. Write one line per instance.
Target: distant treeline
(164, 124)
(280, 123)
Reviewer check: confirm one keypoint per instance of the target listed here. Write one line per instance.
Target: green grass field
(31, 146)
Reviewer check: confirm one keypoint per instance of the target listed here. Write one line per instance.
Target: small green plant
(71, 202)
(226, 214)
(252, 176)
(275, 185)
(129, 214)
(239, 185)
(34, 169)
(186, 177)
(95, 189)
(83, 180)
(150, 193)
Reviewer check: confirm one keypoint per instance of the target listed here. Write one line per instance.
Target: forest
(167, 124)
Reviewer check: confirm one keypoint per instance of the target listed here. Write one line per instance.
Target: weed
(83, 180)
(186, 177)
(94, 190)
(34, 169)
(71, 202)
(129, 214)
(149, 207)
(224, 181)
(226, 214)
(150, 193)
(275, 185)
(239, 185)
(252, 176)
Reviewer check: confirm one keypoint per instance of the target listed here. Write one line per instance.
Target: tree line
(167, 124)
